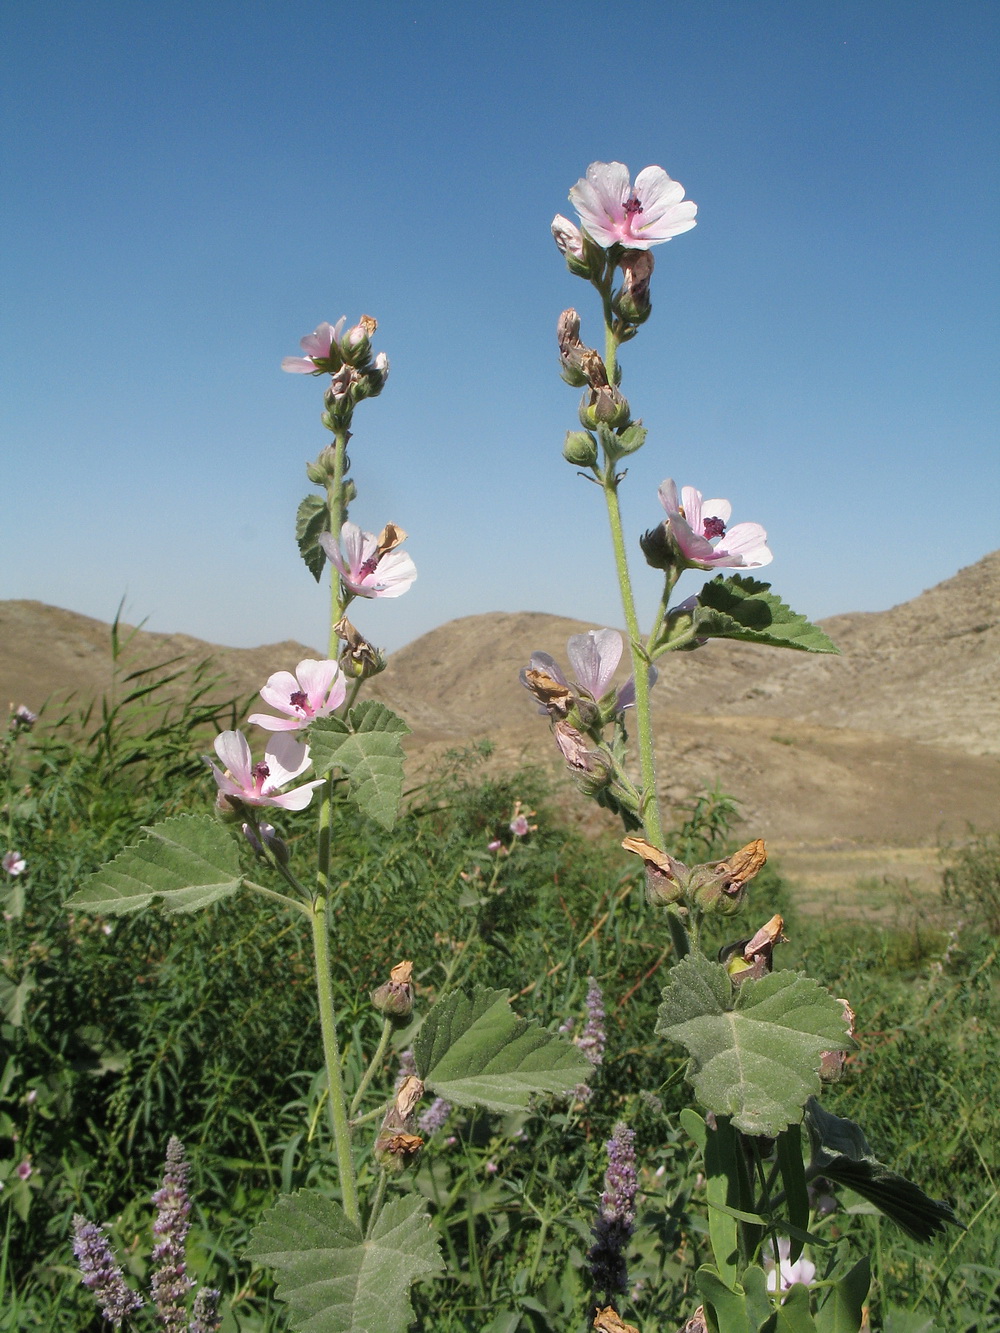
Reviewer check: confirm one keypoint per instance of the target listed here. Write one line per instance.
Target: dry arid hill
(878, 752)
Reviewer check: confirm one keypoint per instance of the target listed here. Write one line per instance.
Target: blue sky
(191, 188)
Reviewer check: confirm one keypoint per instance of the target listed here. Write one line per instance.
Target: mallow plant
(761, 1041)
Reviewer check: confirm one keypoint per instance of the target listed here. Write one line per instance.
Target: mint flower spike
(259, 784)
(616, 1219)
(616, 212)
(101, 1274)
(316, 689)
(370, 566)
(170, 1284)
(697, 528)
(320, 347)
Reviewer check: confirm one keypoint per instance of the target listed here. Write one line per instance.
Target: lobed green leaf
(755, 1053)
(743, 608)
(368, 749)
(333, 1279)
(475, 1051)
(186, 862)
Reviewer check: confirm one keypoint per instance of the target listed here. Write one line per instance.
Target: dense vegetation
(118, 1033)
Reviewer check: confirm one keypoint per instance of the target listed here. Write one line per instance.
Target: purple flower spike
(618, 1199)
(170, 1284)
(593, 1039)
(435, 1117)
(616, 1220)
(205, 1312)
(101, 1274)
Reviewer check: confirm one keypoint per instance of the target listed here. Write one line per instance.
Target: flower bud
(394, 998)
(632, 438)
(631, 301)
(395, 1150)
(604, 405)
(359, 659)
(274, 844)
(720, 887)
(321, 470)
(228, 809)
(580, 448)
(657, 548)
(665, 876)
(355, 345)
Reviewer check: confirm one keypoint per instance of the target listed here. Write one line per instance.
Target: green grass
(204, 1026)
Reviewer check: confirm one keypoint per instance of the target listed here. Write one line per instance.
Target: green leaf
(722, 1193)
(793, 1181)
(754, 1054)
(369, 751)
(14, 998)
(793, 1314)
(187, 862)
(333, 1280)
(312, 518)
(843, 1309)
(842, 1154)
(725, 1308)
(742, 608)
(475, 1051)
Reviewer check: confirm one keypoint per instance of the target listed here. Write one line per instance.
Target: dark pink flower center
(261, 773)
(369, 566)
(714, 527)
(632, 207)
(298, 700)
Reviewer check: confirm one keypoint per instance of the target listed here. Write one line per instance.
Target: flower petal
(286, 758)
(234, 751)
(594, 657)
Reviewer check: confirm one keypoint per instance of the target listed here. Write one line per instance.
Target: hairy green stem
(331, 1054)
(373, 1066)
(377, 1201)
(650, 813)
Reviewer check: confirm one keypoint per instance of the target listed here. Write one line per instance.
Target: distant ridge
(895, 741)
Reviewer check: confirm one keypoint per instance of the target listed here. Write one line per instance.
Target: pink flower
(316, 689)
(370, 566)
(14, 863)
(567, 236)
(520, 827)
(24, 1169)
(614, 212)
(258, 784)
(801, 1271)
(317, 347)
(698, 528)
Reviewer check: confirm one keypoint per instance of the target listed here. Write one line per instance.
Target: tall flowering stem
(331, 1053)
(651, 820)
(170, 1284)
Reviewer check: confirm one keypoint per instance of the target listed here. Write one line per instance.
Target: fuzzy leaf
(754, 1054)
(369, 751)
(475, 1051)
(333, 1280)
(841, 1151)
(312, 518)
(187, 862)
(793, 1314)
(14, 998)
(744, 608)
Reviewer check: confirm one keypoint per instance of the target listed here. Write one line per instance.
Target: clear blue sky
(191, 187)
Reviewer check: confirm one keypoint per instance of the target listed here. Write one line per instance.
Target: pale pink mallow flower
(317, 347)
(370, 566)
(316, 689)
(284, 760)
(784, 1275)
(616, 212)
(567, 236)
(698, 528)
(14, 863)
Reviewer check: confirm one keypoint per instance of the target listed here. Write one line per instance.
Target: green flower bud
(580, 448)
